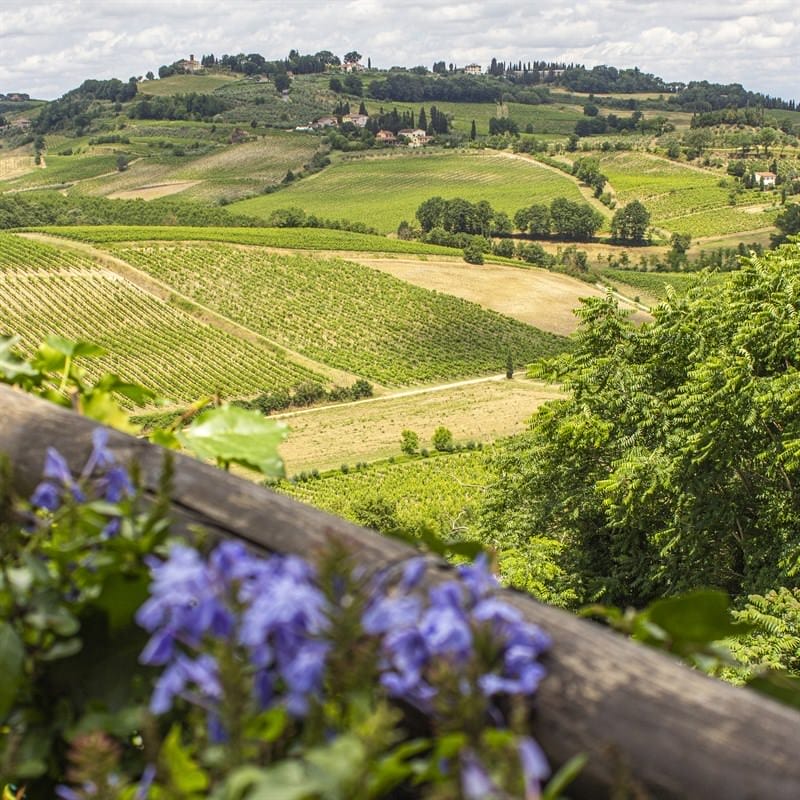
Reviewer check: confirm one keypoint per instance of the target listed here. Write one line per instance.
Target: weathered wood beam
(643, 718)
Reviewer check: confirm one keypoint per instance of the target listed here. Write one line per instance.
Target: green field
(63, 170)
(654, 284)
(343, 314)
(289, 238)
(380, 191)
(44, 290)
(683, 198)
(183, 84)
(215, 170)
(441, 492)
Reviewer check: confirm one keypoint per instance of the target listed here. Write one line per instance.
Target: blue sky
(49, 47)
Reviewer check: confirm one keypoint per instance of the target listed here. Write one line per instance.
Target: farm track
(204, 314)
(66, 184)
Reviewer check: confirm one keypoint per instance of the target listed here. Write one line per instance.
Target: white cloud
(50, 47)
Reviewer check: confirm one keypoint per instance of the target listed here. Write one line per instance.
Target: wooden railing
(646, 721)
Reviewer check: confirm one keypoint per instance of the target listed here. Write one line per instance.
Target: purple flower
(65, 793)
(387, 613)
(46, 496)
(56, 468)
(170, 684)
(412, 573)
(100, 457)
(475, 781)
(535, 768)
(116, 484)
(145, 782)
(478, 577)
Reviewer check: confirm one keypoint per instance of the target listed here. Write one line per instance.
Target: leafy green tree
(335, 85)
(788, 223)
(431, 213)
(353, 57)
(630, 224)
(409, 442)
(577, 221)
(442, 439)
(534, 220)
(587, 170)
(473, 133)
(473, 253)
(675, 460)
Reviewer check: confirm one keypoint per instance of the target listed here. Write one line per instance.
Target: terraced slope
(44, 290)
(343, 314)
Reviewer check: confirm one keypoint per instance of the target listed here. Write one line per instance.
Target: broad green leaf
(12, 661)
(73, 349)
(780, 686)
(698, 617)
(230, 434)
(103, 408)
(11, 365)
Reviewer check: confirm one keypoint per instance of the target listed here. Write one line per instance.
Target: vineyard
(440, 492)
(343, 314)
(383, 190)
(289, 238)
(655, 284)
(18, 254)
(683, 198)
(44, 290)
(63, 169)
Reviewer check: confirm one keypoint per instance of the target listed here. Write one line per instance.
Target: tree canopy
(674, 462)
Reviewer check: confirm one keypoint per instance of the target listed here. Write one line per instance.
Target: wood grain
(646, 721)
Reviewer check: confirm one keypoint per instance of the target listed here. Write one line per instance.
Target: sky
(47, 48)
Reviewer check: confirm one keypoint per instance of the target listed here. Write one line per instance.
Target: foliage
(442, 439)
(409, 442)
(787, 223)
(673, 463)
(630, 223)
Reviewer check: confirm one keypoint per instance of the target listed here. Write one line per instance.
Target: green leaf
(696, 618)
(778, 685)
(287, 780)
(12, 662)
(564, 777)
(231, 434)
(11, 365)
(73, 349)
(186, 775)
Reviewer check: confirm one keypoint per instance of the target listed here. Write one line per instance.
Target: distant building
(359, 120)
(326, 122)
(21, 122)
(353, 66)
(190, 64)
(304, 128)
(473, 69)
(766, 180)
(387, 137)
(415, 137)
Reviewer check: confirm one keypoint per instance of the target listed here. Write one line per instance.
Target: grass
(343, 314)
(288, 238)
(209, 169)
(383, 190)
(183, 84)
(535, 296)
(62, 170)
(326, 438)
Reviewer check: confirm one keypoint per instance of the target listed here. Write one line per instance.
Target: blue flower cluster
(271, 615)
(418, 635)
(268, 609)
(101, 477)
